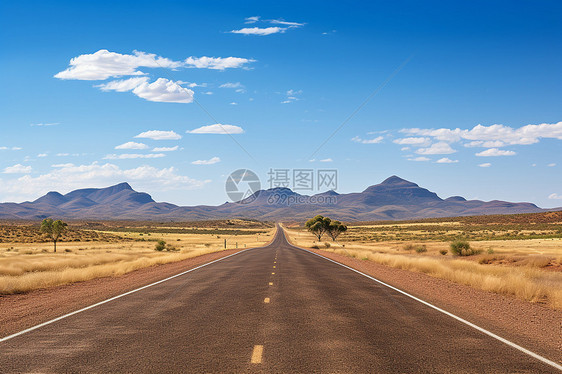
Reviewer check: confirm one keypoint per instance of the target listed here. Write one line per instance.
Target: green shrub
(421, 249)
(462, 248)
(443, 252)
(160, 246)
(409, 247)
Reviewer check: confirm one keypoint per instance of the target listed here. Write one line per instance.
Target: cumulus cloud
(494, 152)
(161, 90)
(42, 155)
(494, 135)
(17, 169)
(218, 129)
(440, 148)
(413, 141)
(165, 149)
(211, 161)
(446, 160)
(216, 63)
(126, 156)
(260, 31)
(376, 140)
(132, 145)
(159, 135)
(555, 196)
(122, 85)
(104, 64)
(164, 90)
(419, 159)
(485, 165)
(67, 177)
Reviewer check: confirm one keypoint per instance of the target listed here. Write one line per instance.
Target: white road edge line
(489, 333)
(118, 297)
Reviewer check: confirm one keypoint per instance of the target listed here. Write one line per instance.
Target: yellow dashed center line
(256, 354)
(266, 300)
(271, 283)
(274, 266)
(272, 273)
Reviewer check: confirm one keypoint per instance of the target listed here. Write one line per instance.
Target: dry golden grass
(526, 278)
(29, 266)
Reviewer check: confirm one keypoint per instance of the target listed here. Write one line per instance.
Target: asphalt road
(275, 309)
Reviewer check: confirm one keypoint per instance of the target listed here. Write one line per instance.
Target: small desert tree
(53, 229)
(318, 225)
(335, 229)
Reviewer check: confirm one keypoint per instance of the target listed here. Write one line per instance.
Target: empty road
(276, 309)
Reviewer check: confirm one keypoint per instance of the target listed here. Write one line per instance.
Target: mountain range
(393, 199)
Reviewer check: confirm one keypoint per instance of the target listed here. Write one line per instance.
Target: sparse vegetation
(518, 255)
(88, 254)
(462, 248)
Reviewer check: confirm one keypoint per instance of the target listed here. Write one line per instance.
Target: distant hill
(393, 199)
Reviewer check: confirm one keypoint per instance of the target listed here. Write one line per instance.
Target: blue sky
(472, 103)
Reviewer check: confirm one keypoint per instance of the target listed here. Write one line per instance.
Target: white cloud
(17, 169)
(551, 165)
(555, 196)
(286, 23)
(495, 134)
(487, 144)
(218, 129)
(292, 96)
(446, 160)
(260, 31)
(126, 156)
(376, 140)
(216, 63)
(44, 124)
(10, 148)
(231, 85)
(253, 19)
(326, 160)
(66, 178)
(485, 165)
(63, 154)
(405, 148)
(165, 149)
(132, 145)
(233, 103)
(419, 159)
(159, 135)
(494, 152)
(413, 141)
(211, 161)
(42, 155)
(103, 64)
(164, 90)
(207, 93)
(161, 90)
(440, 148)
(69, 165)
(122, 85)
